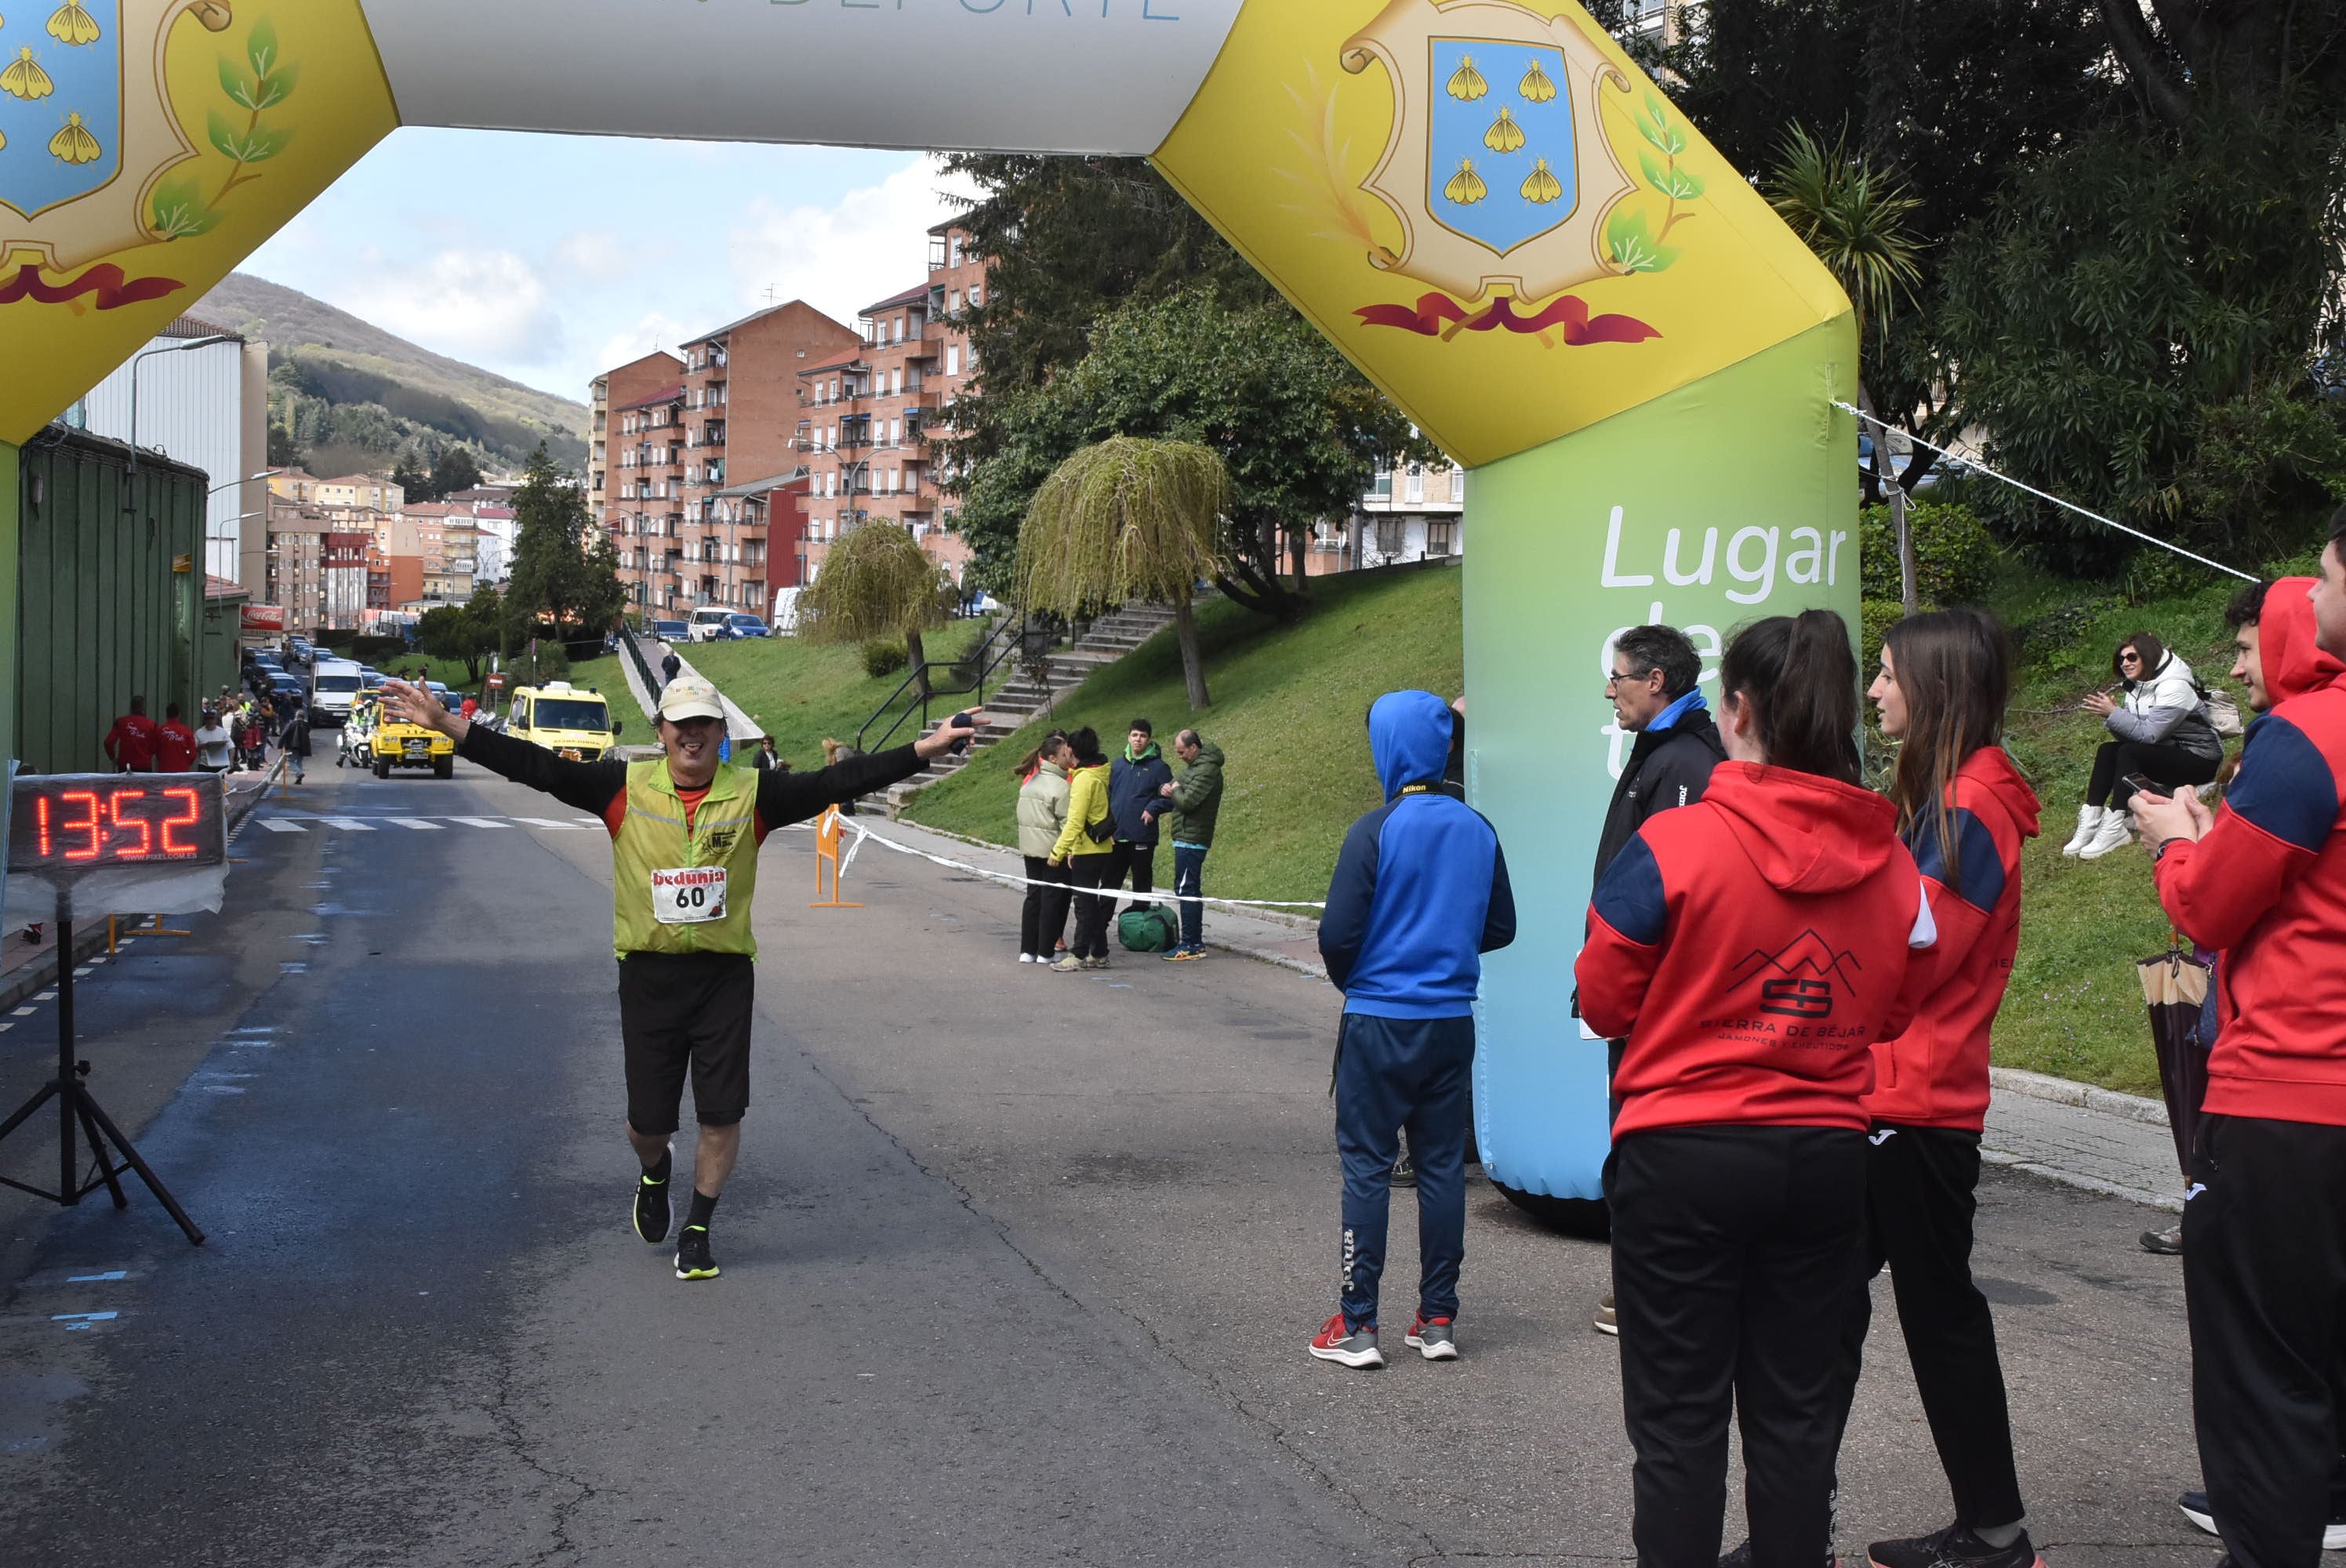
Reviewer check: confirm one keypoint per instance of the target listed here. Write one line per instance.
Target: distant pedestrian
(1196, 801)
(214, 745)
(469, 709)
(295, 739)
(1419, 895)
(175, 743)
(1042, 817)
(766, 760)
(671, 666)
(1134, 780)
(1083, 848)
(131, 742)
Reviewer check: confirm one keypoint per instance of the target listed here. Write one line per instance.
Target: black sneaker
(2199, 1512)
(1741, 1557)
(652, 1209)
(1953, 1547)
(692, 1259)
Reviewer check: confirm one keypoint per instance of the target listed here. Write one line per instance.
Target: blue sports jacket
(1421, 889)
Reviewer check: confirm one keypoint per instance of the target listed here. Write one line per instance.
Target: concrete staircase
(1023, 700)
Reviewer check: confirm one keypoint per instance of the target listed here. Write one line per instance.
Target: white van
(707, 622)
(335, 684)
(786, 612)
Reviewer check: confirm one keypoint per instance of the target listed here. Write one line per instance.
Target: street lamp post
(135, 360)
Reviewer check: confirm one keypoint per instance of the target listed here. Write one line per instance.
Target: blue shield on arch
(1501, 167)
(61, 106)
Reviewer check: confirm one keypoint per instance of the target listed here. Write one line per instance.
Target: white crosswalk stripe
(351, 824)
(418, 823)
(548, 822)
(302, 824)
(478, 821)
(274, 826)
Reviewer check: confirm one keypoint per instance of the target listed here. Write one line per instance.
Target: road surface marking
(351, 823)
(274, 826)
(549, 822)
(95, 1279)
(418, 823)
(478, 821)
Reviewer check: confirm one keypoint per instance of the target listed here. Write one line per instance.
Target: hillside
(397, 396)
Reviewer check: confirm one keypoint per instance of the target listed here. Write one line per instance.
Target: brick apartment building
(611, 391)
(870, 420)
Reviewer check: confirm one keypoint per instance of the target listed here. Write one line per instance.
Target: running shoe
(1953, 1547)
(692, 1259)
(652, 1209)
(2196, 1508)
(1026, 958)
(1741, 1558)
(2165, 1243)
(1099, 962)
(1347, 1347)
(1185, 955)
(1066, 963)
(1607, 1323)
(1432, 1337)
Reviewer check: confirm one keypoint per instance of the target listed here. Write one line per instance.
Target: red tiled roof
(224, 588)
(917, 292)
(666, 394)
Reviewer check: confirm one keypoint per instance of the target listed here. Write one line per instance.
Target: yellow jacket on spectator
(1087, 804)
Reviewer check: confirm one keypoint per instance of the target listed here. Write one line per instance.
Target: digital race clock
(82, 822)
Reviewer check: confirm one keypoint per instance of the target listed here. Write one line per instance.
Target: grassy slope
(802, 693)
(1288, 707)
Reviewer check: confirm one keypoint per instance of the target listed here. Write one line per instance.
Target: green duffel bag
(1146, 930)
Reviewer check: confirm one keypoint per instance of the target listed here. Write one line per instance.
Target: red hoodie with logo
(1935, 1073)
(2267, 886)
(1751, 947)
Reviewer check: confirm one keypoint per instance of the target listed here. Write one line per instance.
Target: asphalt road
(1017, 1266)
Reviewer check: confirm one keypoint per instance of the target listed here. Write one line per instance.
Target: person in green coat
(1084, 853)
(1196, 800)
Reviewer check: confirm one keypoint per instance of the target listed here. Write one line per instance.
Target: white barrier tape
(1971, 462)
(863, 833)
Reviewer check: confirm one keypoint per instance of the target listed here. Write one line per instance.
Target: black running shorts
(685, 1008)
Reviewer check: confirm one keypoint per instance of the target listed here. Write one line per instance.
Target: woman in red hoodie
(1750, 948)
(1965, 813)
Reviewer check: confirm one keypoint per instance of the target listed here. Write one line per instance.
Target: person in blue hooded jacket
(1419, 895)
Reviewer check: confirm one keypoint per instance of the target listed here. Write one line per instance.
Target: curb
(2166, 1202)
(2064, 1092)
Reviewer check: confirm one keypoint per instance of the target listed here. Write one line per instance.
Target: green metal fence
(112, 580)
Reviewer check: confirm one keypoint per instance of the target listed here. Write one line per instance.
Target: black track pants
(2264, 1276)
(1920, 1198)
(2170, 768)
(1737, 1255)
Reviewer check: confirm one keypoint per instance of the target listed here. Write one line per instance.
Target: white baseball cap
(689, 697)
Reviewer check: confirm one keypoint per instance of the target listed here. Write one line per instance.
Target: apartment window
(897, 379)
(953, 359)
(976, 296)
(1390, 535)
(1441, 537)
(1458, 485)
(895, 432)
(956, 249)
(1415, 491)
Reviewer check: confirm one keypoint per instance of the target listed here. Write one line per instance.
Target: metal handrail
(991, 657)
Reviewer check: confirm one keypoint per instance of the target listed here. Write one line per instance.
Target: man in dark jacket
(1419, 895)
(1135, 786)
(1657, 695)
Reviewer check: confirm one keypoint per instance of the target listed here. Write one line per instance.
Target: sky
(550, 258)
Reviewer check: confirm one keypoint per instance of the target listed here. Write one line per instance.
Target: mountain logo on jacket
(1804, 972)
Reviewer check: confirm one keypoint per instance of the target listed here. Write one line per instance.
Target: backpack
(1146, 930)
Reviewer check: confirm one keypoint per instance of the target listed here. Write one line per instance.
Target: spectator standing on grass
(1420, 893)
(1197, 801)
(175, 743)
(1749, 947)
(2158, 720)
(130, 744)
(1083, 847)
(2264, 1231)
(1965, 813)
(1135, 783)
(1655, 685)
(1043, 792)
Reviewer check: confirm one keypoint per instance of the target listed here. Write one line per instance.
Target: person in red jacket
(1750, 947)
(1965, 813)
(175, 743)
(131, 742)
(2264, 1238)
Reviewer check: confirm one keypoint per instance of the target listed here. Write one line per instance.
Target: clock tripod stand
(78, 1107)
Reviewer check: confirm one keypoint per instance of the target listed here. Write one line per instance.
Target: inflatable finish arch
(1483, 203)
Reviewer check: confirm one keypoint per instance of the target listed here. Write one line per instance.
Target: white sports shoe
(2089, 822)
(2112, 834)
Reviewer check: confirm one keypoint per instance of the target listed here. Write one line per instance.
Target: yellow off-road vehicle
(393, 744)
(572, 724)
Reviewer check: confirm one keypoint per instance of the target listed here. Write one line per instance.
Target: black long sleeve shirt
(601, 788)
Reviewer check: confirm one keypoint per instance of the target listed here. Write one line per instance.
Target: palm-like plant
(1127, 519)
(877, 581)
(1858, 219)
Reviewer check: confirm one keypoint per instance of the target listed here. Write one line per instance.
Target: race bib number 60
(689, 895)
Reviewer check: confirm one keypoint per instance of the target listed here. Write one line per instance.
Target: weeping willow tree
(878, 583)
(1127, 519)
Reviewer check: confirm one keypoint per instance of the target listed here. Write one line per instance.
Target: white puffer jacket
(2165, 708)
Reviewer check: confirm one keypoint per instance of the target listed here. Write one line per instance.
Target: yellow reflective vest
(653, 837)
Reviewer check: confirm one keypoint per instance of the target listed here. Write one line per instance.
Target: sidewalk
(738, 724)
(2115, 1144)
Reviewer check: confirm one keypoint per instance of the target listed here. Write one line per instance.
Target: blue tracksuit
(1420, 894)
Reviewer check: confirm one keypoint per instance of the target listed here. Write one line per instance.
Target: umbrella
(2177, 986)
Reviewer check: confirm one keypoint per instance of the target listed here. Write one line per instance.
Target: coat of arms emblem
(1497, 165)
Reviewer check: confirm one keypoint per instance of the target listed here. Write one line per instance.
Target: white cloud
(476, 305)
(657, 329)
(601, 254)
(869, 245)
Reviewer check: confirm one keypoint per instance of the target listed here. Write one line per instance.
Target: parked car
(283, 682)
(669, 631)
(370, 676)
(267, 658)
(707, 621)
(299, 650)
(741, 626)
(448, 700)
